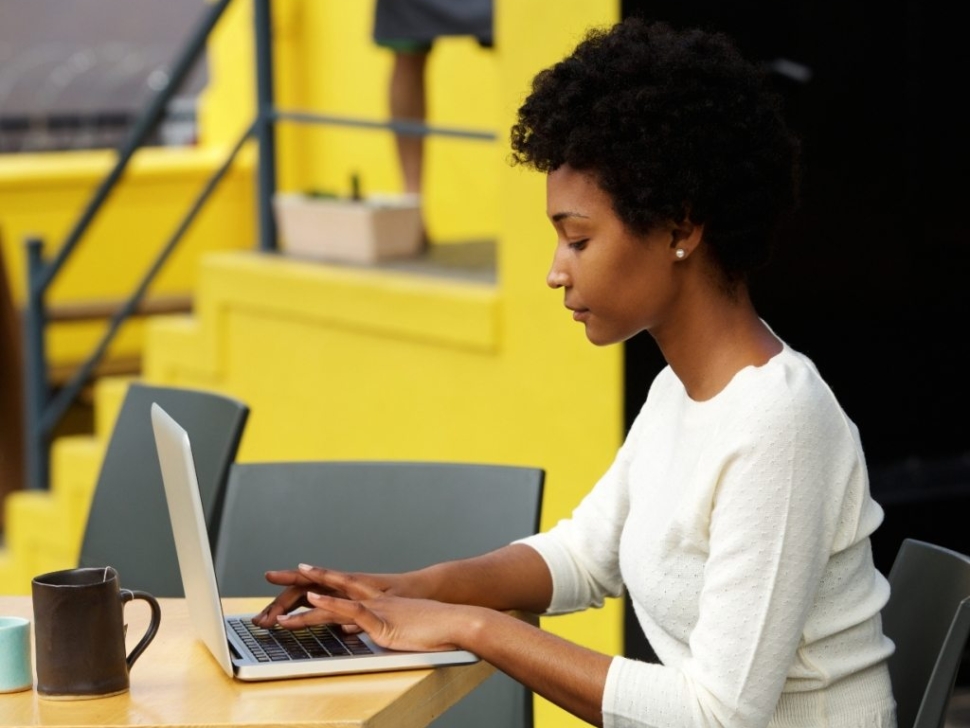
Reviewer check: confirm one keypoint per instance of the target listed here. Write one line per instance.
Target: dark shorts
(411, 26)
(420, 46)
(405, 46)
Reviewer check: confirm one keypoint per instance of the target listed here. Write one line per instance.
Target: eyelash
(579, 244)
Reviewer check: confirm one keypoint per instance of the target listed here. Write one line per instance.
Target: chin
(601, 340)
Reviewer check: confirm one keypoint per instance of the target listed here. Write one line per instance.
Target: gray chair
(379, 517)
(928, 617)
(128, 525)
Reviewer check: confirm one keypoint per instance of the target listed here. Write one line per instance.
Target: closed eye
(579, 244)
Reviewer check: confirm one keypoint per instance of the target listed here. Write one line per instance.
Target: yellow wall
(326, 63)
(343, 73)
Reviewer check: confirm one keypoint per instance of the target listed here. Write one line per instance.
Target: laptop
(244, 651)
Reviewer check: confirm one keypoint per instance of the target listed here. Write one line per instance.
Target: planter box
(355, 231)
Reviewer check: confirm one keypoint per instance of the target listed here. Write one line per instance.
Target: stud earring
(680, 253)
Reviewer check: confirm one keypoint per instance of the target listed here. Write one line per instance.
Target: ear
(685, 236)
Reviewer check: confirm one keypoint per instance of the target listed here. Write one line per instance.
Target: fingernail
(313, 595)
(305, 567)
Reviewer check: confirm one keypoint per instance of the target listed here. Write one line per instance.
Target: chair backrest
(128, 525)
(379, 517)
(928, 618)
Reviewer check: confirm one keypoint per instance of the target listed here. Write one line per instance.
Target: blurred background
(75, 74)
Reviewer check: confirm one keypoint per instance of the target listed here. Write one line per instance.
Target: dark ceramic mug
(79, 633)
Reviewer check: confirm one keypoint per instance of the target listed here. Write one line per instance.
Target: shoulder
(790, 377)
(788, 394)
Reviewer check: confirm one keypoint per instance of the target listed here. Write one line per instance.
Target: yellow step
(45, 528)
(35, 538)
(11, 580)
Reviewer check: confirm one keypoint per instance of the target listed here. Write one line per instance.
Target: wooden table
(176, 682)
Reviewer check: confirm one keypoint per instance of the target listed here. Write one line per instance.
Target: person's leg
(407, 102)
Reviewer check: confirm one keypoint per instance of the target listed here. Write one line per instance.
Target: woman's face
(617, 283)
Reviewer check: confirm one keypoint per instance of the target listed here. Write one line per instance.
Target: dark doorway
(870, 280)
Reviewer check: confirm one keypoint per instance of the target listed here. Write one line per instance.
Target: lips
(579, 314)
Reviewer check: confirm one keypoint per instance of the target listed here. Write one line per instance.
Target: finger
(341, 582)
(288, 577)
(297, 582)
(347, 612)
(311, 618)
(286, 601)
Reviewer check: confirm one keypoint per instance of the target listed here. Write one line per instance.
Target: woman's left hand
(397, 623)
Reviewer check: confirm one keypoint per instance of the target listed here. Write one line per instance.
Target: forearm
(571, 676)
(512, 577)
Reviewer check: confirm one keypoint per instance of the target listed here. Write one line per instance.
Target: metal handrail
(42, 412)
(59, 404)
(399, 126)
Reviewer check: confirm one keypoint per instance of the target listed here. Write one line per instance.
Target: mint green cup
(16, 673)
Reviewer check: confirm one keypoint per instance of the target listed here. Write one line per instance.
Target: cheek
(634, 314)
(631, 285)
(638, 294)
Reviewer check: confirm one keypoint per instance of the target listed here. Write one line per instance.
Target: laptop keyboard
(281, 645)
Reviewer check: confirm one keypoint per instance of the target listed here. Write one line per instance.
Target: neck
(714, 340)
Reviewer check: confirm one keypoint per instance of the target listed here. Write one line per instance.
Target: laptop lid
(202, 590)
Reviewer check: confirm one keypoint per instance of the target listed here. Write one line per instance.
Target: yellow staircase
(44, 528)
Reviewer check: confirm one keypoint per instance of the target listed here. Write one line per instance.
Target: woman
(737, 514)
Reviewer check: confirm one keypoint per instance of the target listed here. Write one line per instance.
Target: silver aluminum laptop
(266, 654)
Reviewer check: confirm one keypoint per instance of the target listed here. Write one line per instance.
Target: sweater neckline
(740, 379)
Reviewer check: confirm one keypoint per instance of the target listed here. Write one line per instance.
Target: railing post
(36, 397)
(265, 125)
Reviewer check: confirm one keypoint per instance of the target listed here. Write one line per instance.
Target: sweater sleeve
(582, 551)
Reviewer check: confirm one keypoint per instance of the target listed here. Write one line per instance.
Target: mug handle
(128, 595)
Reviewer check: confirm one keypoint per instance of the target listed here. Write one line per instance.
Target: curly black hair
(674, 125)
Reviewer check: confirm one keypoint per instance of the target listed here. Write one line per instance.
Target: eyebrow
(563, 215)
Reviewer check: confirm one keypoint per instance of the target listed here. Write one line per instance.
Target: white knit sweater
(739, 527)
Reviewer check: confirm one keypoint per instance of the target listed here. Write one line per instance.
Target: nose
(557, 277)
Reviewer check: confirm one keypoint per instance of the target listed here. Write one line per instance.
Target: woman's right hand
(297, 583)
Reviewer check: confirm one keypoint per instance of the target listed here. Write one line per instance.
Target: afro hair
(675, 125)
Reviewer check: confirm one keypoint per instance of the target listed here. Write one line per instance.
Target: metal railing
(43, 409)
